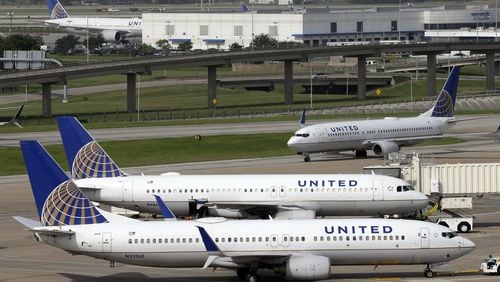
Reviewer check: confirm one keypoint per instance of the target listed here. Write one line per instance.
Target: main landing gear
(247, 275)
(428, 272)
(361, 154)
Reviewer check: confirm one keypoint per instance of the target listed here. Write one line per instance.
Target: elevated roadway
(132, 68)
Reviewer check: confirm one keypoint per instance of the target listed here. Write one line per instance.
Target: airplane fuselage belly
(327, 208)
(339, 256)
(355, 208)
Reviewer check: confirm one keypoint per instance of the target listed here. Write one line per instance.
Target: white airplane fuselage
(325, 194)
(362, 134)
(132, 27)
(344, 241)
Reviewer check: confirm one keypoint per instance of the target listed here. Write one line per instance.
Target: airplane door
(274, 191)
(282, 191)
(425, 238)
(127, 189)
(106, 242)
(274, 240)
(285, 240)
(378, 190)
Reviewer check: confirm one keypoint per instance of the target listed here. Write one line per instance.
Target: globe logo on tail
(58, 12)
(67, 205)
(444, 105)
(92, 161)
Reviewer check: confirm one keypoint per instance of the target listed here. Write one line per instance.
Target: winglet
(302, 121)
(86, 157)
(165, 211)
(207, 240)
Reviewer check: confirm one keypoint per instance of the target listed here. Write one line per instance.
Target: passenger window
(130, 241)
(183, 240)
(216, 240)
(190, 240)
(136, 241)
(303, 239)
(148, 241)
(142, 241)
(222, 239)
(197, 240)
(154, 241)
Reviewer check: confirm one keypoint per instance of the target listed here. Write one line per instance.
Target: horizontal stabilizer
(29, 223)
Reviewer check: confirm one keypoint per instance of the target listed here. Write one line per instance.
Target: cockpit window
(449, 234)
(404, 188)
(305, 135)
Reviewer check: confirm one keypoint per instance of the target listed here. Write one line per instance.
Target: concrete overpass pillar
(490, 70)
(497, 67)
(46, 99)
(212, 87)
(288, 82)
(431, 74)
(131, 92)
(361, 78)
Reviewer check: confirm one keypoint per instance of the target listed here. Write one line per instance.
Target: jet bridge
(449, 186)
(447, 180)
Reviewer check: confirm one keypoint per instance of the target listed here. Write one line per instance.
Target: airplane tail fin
(245, 8)
(15, 118)
(58, 200)
(302, 121)
(86, 157)
(445, 102)
(56, 10)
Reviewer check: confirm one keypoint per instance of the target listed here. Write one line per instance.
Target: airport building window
(333, 27)
(204, 30)
(169, 29)
(238, 30)
(359, 26)
(273, 30)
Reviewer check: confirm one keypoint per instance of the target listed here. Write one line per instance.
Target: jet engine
(112, 35)
(384, 147)
(227, 212)
(306, 268)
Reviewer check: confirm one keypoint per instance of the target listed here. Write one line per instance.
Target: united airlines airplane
(283, 196)
(296, 249)
(382, 136)
(111, 29)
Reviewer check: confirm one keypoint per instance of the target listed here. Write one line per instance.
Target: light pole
(411, 90)
(399, 21)
(138, 87)
(311, 90)
(496, 20)
(10, 15)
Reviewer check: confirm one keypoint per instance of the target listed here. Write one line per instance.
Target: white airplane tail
(56, 10)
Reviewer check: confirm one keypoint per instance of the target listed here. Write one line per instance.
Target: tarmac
(23, 259)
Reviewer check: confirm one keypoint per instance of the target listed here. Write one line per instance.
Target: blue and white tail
(56, 10)
(58, 200)
(445, 103)
(86, 157)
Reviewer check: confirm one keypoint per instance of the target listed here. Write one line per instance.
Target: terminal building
(320, 27)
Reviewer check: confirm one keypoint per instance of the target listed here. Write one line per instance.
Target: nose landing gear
(428, 272)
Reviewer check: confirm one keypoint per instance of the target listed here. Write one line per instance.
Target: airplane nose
(291, 141)
(466, 245)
